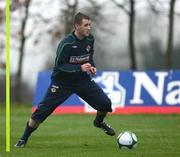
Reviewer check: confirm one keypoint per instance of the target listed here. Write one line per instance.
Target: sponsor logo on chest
(79, 59)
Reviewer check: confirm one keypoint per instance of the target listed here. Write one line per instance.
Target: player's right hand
(85, 67)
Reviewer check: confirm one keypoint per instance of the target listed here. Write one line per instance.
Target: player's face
(84, 28)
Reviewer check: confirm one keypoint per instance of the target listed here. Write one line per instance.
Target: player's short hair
(79, 17)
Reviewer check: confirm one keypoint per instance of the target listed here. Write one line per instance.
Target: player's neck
(78, 35)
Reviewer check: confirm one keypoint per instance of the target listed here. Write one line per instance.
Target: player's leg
(100, 123)
(31, 126)
(96, 97)
(54, 97)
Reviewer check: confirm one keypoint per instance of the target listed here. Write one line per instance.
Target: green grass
(75, 136)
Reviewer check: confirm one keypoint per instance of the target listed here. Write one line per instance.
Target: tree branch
(177, 14)
(121, 6)
(153, 8)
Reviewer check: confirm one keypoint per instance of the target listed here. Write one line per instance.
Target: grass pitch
(75, 136)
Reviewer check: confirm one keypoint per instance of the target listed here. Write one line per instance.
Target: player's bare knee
(33, 123)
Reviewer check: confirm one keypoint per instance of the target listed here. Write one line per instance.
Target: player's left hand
(93, 71)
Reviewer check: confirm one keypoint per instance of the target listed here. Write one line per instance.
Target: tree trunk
(69, 15)
(21, 51)
(169, 50)
(131, 36)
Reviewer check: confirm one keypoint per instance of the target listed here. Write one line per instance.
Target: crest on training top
(88, 48)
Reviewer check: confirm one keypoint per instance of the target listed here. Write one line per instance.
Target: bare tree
(68, 13)
(1, 15)
(170, 14)
(131, 13)
(2, 36)
(18, 78)
(25, 32)
(169, 50)
(2, 52)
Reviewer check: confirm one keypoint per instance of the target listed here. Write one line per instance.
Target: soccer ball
(127, 139)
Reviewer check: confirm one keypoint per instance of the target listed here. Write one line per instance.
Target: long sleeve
(62, 59)
(92, 52)
(91, 59)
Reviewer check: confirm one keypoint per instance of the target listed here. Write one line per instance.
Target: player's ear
(76, 26)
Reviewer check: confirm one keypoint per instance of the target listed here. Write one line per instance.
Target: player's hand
(93, 71)
(86, 67)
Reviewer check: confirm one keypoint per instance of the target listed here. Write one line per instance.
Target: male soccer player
(71, 74)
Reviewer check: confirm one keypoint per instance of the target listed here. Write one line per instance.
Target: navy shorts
(57, 94)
